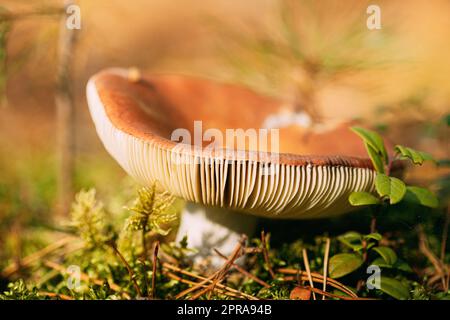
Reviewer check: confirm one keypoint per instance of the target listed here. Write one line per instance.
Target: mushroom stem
(209, 228)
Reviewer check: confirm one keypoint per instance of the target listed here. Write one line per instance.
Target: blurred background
(317, 53)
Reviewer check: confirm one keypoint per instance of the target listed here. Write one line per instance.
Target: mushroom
(311, 175)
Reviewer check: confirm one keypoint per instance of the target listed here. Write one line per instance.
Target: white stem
(208, 227)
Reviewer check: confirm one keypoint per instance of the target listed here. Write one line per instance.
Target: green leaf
(389, 256)
(390, 187)
(417, 157)
(361, 198)
(376, 158)
(381, 263)
(352, 240)
(351, 236)
(421, 196)
(375, 236)
(383, 184)
(399, 265)
(344, 263)
(374, 140)
(394, 288)
(398, 190)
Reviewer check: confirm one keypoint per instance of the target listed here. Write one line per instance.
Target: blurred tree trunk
(5, 27)
(65, 111)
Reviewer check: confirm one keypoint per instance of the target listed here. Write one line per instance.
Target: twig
(252, 250)
(36, 256)
(145, 259)
(376, 212)
(220, 288)
(163, 256)
(237, 252)
(325, 266)
(317, 278)
(155, 261)
(199, 285)
(298, 277)
(168, 266)
(214, 275)
(130, 271)
(192, 283)
(55, 295)
(308, 271)
(65, 113)
(245, 272)
(373, 224)
(266, 254)
(222, 271)
(364, 250)
(423, 247)
(444, 247)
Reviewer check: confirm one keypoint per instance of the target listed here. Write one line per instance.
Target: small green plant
(390, 190)
(151, 211)
(368, 251)
(89, 219)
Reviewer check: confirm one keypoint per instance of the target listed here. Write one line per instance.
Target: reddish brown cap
(312, 174)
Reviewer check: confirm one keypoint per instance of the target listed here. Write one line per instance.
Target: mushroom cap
(312, 174)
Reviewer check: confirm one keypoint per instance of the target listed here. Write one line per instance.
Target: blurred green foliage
(305, 47)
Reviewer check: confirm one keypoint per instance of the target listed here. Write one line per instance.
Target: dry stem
(155, 261)
(266, 254)
(308, 271)
(325, 266)
(245, 272)
(130, 271)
